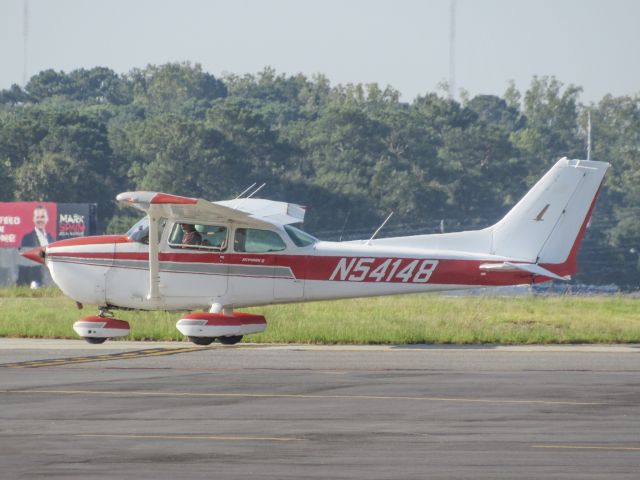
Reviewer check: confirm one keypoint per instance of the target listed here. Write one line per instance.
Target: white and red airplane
(189, 254)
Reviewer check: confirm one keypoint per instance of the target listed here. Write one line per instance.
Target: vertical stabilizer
(546, 225)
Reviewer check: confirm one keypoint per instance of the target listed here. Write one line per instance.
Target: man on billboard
(37, 237)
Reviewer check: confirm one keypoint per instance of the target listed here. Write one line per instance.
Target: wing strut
(154, 264)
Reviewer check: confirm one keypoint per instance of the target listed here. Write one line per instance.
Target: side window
(198, 236)
(213, 236)
(252, 240)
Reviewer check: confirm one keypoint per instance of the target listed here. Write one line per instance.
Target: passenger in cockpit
(190, 235)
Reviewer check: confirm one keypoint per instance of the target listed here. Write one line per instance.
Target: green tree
(252, 144)
(616, 139)
(14, 96)
(174, 154)
(67, 159)
(178, 88)
(100, 85)
(552, 130)
(480, 167)
(7, 180)
(49, 83)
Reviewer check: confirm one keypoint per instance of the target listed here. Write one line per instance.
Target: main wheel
(95, 340)
(231, 340)
(202, 340)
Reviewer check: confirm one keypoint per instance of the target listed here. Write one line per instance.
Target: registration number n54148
(371, 269)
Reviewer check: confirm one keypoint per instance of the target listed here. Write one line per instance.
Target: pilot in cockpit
(190, 236)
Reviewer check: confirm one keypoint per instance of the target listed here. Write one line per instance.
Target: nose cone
(35, 255)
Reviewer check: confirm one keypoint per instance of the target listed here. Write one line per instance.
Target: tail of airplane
(546, 225)
(543, 228)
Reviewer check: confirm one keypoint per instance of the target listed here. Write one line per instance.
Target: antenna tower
(25, 34)
(452, 49)
(589, 135)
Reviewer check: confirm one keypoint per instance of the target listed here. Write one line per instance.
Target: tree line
(351, 153)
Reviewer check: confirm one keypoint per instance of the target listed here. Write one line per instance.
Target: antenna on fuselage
(255, 191)
(344, 225)
(379, 228)
(246, 190)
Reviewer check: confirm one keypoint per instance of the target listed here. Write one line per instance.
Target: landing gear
(231, 340)
(229, 327)
(104, 312)
(95, 340)
(97, 329)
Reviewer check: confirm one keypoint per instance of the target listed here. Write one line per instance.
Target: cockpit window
(198, 236)
(140, 231)
(300, 238)
(252, 240)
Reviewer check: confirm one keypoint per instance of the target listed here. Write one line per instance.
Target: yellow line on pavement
(587, 447)
(142, 393)
(55, 362)
(191, 437)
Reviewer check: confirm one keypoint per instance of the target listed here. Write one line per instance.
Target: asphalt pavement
(172, 410)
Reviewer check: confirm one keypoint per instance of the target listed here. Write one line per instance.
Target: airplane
(209, 258)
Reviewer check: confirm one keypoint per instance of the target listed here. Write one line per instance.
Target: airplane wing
(278, 212)
(252, 211)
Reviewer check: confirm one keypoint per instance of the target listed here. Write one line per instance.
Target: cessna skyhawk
(192, 254)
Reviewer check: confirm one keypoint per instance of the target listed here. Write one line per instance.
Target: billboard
(27, 224)
(76, 220)
(24, 225)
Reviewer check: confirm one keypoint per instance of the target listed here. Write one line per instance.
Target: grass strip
(422, 318)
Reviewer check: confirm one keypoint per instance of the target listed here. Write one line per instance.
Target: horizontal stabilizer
(532, 268)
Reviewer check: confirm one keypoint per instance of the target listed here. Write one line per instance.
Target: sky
(594, 44)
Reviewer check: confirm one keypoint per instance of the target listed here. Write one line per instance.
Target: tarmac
(154, 410)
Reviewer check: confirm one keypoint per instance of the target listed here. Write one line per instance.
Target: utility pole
(25, 38)
(588, 134)
(452, 49)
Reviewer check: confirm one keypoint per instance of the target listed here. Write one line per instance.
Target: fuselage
(114, 271)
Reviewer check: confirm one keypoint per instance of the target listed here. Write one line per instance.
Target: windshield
(300, 238)
(140, 231)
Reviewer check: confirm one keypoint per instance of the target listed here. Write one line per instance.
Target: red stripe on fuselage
(322, 268)
(93, 240)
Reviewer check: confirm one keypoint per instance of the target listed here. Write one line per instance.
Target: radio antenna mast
(379, 228)
(246, 190)
(237, 205)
